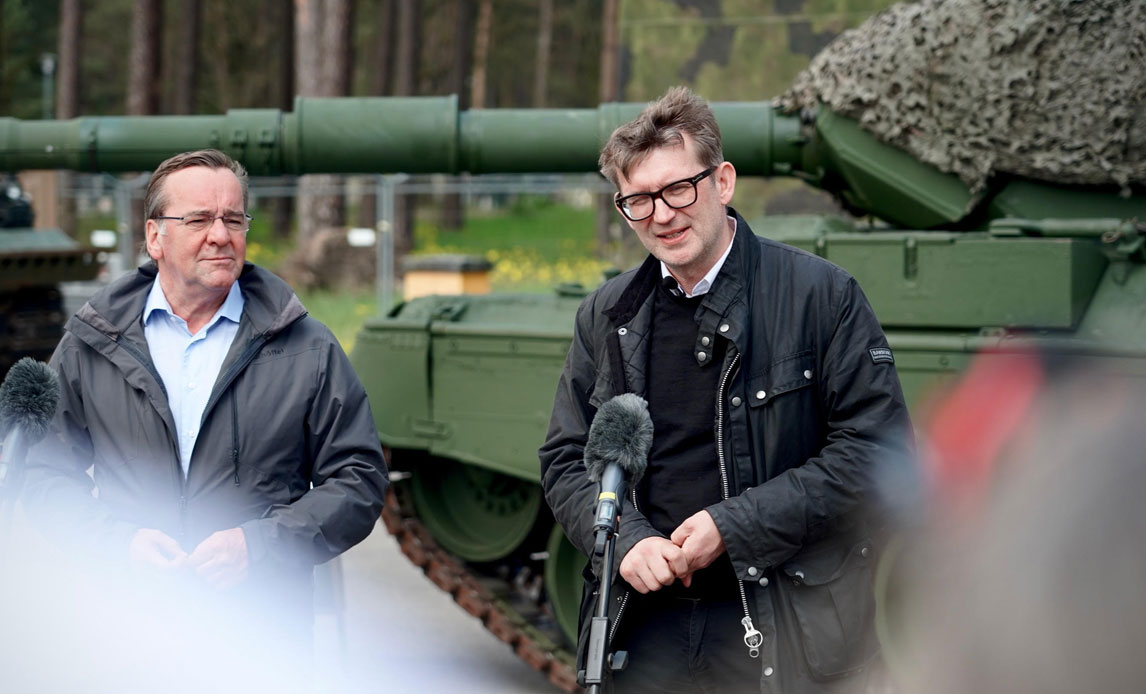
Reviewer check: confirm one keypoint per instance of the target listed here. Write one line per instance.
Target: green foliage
(262, 246)
(534, 245)
(27, 30)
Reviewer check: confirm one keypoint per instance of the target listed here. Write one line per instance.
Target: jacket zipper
(752, 637)
(625, 597)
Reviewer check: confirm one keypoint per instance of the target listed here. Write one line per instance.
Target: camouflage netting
(1047, 89)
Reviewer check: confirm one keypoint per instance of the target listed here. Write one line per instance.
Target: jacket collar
(270, 304)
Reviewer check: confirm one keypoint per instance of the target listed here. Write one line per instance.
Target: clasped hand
(220, 559)
(655, 562)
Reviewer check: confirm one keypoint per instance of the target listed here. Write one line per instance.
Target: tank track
(483, 597)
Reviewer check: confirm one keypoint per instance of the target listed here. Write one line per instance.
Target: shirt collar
(232, 308)
(705, 282)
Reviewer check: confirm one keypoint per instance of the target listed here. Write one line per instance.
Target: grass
(534, 244)
(342, 312)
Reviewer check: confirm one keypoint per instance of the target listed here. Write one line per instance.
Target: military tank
(1026, 232)
(33, 262)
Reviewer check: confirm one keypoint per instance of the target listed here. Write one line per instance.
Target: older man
(746, 553)
(230, 444)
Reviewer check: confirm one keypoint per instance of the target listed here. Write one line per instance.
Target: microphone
(671, 285)
(28, 399)
(616, 452)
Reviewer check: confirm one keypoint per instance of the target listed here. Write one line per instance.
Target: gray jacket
(287, 448)
(810, 420)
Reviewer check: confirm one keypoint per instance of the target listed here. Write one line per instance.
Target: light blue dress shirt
(189, 364)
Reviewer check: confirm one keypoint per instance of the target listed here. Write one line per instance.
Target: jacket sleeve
(348, 475)
(867, 450)
(564, 477)
(57, 493)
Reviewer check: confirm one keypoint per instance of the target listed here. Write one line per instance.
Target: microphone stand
(597, 662)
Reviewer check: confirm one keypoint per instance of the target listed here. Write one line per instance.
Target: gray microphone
(617, 453)
(28, 399)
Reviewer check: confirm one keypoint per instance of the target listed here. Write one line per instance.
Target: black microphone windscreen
(28, 398)
(621, 433)
(671, 285)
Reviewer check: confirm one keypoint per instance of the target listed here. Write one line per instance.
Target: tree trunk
(337, 67)
(453, 212)
(381, 68)
(610, 232)
(143, 76)
(280, 14)
(187, 58)
(406, 65)
(143, 81)
(544, 42)
(68, 98)
(320, 61)
(481, 53)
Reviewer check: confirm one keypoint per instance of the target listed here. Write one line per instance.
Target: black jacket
(809, 419)
(287, 448)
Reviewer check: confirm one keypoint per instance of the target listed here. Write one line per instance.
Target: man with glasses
(230, 443)
(746, 552)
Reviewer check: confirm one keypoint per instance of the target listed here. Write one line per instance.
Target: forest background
(150, 57)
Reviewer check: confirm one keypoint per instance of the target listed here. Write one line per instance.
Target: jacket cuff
(256, 543)
(745, 563)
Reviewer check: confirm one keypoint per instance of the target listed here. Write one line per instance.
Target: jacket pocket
(833, 603)
(785, 375)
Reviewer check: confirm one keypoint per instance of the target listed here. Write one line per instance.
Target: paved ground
(402, 634)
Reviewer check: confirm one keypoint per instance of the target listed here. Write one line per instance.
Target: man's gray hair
(155, 199)
(663, 123)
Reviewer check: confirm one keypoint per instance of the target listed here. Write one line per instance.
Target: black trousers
(684, 645)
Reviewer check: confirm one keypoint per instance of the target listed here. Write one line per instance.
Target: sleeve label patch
(881, 355)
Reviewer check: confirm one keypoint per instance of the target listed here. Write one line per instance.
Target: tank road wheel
(563, 581)
(474, 513)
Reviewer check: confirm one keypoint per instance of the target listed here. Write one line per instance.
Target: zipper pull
(752, 637)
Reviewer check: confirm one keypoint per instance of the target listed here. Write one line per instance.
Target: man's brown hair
(663, 123)
(154, 200)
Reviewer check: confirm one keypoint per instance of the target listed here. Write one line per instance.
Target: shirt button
(622, 331)
(704, 340)
(808, 374)
(724, 328)
(736, 401)
(760, 395)
(752, 571)
(701, 356)
(191, 385)
(768, 671)
(764, 582)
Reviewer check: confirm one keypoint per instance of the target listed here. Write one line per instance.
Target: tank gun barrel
(380, 135)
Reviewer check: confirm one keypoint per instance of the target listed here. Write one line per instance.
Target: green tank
(955, 259)
(33, 262)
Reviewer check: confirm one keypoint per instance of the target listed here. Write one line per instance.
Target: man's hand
(699, 541)
(155, 549)
(653, 563)
(221, 559)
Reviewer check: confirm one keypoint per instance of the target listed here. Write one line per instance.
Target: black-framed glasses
(678, 194)
(197, 223)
